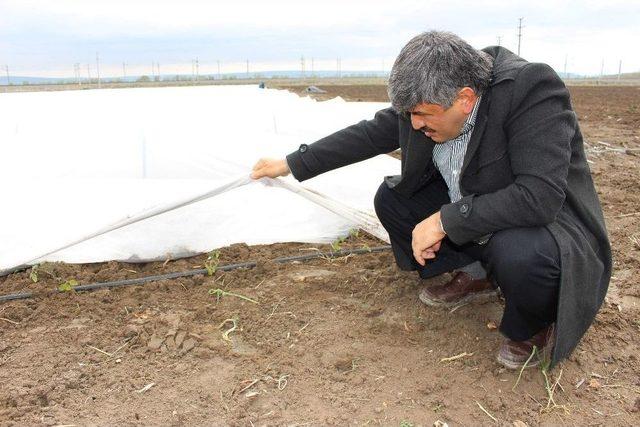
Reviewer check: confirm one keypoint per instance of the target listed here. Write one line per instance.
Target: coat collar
(478, 129)
(506, 64)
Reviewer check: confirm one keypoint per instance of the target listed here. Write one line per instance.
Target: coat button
(464, 208)
(303, 148)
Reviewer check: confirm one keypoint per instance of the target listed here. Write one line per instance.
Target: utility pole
(566, 56)
(339, 67)
(197, 69)
(302, 66)
(219, 76)
(193, 69)
(76, 72)
(158, 67)
(499, 40)
(619, 69)
(247, 68)
(312, 67)
(519, 33)
(6, 67)
(89, 72)
(124, 71)
(98, 68)
(602, 68)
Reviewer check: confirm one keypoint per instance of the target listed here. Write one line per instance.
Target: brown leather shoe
(459, 290)
(514, 354)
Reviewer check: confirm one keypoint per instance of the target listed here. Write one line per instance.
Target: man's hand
(271, 168)
(426, 238)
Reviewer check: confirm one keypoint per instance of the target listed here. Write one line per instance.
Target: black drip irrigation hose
(203, 271)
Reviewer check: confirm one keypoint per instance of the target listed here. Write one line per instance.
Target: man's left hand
(426, 238)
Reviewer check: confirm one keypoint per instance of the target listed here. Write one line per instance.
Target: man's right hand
(271, 168)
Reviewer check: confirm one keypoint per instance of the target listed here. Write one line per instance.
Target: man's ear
(467, 98)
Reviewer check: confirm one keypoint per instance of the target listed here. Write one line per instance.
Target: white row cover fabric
(77, 162)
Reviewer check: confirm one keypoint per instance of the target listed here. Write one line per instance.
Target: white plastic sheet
(76, 162)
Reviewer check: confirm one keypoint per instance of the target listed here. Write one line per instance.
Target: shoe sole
(484, 296)
(510, 364)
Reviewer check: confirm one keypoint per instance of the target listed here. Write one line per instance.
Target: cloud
(41, 35)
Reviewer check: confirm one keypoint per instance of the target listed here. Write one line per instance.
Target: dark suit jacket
(525, 166)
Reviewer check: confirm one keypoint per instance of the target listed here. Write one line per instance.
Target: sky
(46, 38)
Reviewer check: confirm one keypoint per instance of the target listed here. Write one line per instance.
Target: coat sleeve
(539, 131)
(350, 145)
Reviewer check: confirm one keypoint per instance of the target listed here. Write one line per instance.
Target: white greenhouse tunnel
(76, 162)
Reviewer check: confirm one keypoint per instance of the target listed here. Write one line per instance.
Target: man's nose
(417, 122)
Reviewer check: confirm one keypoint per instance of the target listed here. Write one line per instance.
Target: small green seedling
(219, 293)
(354, 232)
(68, 286)
(34, 274)
(336, 245)
(211, 264)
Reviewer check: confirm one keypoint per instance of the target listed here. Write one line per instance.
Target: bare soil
(328, 342)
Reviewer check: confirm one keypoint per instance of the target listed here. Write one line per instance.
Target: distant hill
(635, 75)
(287, 74)
(283, 74)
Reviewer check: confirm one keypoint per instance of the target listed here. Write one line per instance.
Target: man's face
(442, 124)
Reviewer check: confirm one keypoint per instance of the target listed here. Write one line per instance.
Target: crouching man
(495, 187)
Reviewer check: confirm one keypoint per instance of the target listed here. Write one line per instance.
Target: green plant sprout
(336, 245)
(33, 275)
(68, 286)
(219, 293)
(211, 264)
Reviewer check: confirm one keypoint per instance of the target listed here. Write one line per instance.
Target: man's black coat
(525, 166)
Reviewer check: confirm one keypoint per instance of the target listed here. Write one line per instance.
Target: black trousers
(523, 262)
